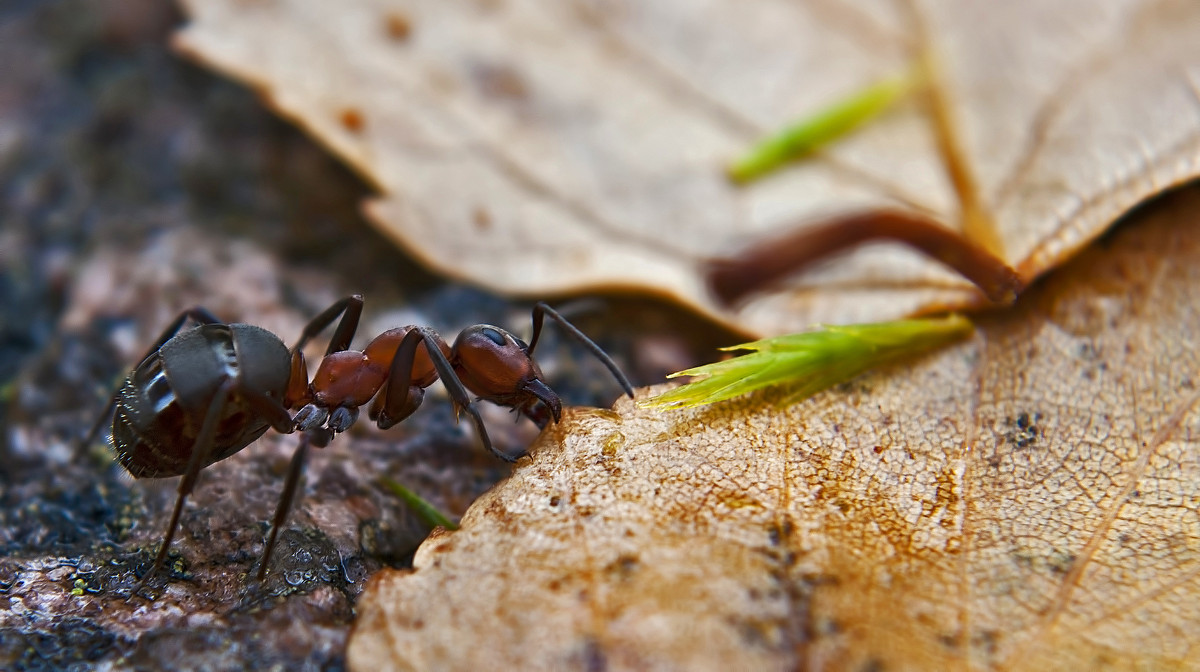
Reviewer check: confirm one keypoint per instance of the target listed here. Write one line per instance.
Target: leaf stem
(766, 263)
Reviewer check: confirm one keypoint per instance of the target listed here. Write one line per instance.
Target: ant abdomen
(162, 405)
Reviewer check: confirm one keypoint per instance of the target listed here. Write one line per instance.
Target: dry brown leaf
(547, 147)
(1025, 500)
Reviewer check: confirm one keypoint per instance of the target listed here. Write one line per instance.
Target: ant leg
(542, 309)
(199, 315)
(400, 380)
(399, 397)
(350, 308)
(199, 457)
(295, 471)
(282, 421)
(271, 410)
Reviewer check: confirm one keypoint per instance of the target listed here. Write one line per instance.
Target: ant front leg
(401, 397)
(198, 314)
(403, 389)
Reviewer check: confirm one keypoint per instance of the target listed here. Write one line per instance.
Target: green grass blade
(820, 129)
(427, 512)
(811, 361)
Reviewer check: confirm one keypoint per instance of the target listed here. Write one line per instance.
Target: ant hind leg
(196, 462)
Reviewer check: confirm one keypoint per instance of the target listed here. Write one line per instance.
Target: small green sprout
(811, 361)
(824, 127)
(427, 512)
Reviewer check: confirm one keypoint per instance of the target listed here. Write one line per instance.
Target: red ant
(203, 394)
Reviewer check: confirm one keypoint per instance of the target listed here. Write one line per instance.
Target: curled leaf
(811, 361)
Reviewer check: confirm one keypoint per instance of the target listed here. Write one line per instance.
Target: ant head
(498, 367)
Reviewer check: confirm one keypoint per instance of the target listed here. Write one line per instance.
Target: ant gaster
(203, 394)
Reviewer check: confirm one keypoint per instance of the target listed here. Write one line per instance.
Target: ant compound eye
(501, 338)
(486, 338)
(494, 336)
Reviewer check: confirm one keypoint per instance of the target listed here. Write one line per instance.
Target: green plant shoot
(427, 512)
(824, 127)
(811, 361)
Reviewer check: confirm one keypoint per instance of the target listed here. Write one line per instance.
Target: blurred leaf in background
(539, 147)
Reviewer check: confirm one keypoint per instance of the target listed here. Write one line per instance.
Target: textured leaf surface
(1026, 499)
(543, 147)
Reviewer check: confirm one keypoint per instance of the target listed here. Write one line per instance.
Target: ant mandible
(201, 395)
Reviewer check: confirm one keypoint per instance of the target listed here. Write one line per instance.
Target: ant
(201, 395)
